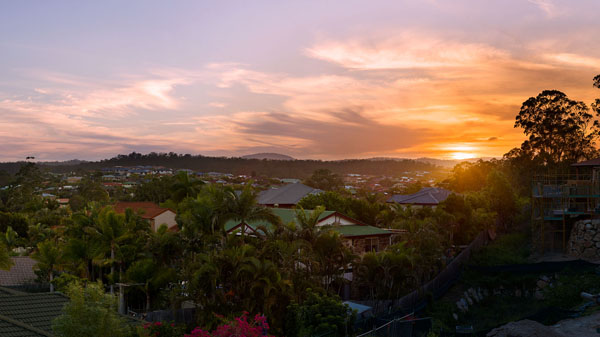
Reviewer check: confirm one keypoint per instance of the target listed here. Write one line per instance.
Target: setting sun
(462, 155)
(460, 151)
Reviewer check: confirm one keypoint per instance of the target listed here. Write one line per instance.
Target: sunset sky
(311, 79)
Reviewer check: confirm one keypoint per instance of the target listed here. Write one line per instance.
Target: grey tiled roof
(31, 314)
(23, 314)
(426, 196)
(12, 328)
(20, 273)
(286, 195)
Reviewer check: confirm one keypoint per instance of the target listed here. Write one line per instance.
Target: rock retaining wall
(584, 241)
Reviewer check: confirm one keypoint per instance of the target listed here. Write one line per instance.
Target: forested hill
(270, 168)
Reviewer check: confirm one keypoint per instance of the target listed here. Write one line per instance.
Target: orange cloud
(417, 95)
(574, 60)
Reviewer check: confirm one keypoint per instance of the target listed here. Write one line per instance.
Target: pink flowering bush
(240, 326)
(160, 329)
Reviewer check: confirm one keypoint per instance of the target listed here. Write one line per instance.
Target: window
(371, 245)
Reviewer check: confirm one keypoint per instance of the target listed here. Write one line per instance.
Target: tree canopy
(559, 129)
(90, 312)
(325, 180)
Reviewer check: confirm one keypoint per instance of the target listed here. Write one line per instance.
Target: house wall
(167, 217)
(359, 244)
(418, 206)
(333, 219)
(280, 205)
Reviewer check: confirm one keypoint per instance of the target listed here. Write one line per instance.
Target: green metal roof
(358, 230)
(288, 215)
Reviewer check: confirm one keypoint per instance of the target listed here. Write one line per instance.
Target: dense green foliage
(325, 180)
(369, 209)
(319, 314)
(90, 312)
(511, 248)
(5, 261)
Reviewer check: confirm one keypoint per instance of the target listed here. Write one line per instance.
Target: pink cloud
(409, 51)
(546, 6)
(574, 60)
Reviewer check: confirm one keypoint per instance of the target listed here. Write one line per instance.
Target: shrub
(507, 249)
(160, 329)
(240, 326)
(90, 312)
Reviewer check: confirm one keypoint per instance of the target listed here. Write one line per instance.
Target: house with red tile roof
(150, 211)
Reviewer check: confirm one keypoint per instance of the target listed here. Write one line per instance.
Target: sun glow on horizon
(460, 151)
(462, 155)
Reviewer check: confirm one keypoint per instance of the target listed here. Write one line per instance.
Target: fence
(401, 327)
(416, 300)
(186, 316)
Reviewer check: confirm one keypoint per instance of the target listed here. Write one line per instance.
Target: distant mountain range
(434, 161)
(278, 166)
(267, 164)
(63, 163)
(269, 156)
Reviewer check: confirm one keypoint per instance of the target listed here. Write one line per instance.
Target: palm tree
(81, 246)
(78, 254)
(110, 233)
(150, 275)
(165, 246)
(38, 233)
(308, 221)
(397, 263)
(201, 218)
(264, 284)
(244, 208)
(48, 256)
(203, 288)
(10, 238)
(368, 272)
(333, 255)
(185, 186)
(5, 260)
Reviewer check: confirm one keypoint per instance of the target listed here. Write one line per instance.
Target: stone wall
(584, 241)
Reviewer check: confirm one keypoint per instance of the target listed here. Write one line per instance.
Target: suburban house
(21, 272)
(286, 196)
(355, 234)
(29, 314)
(63, 202)
(427, 196)
(150, 211)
